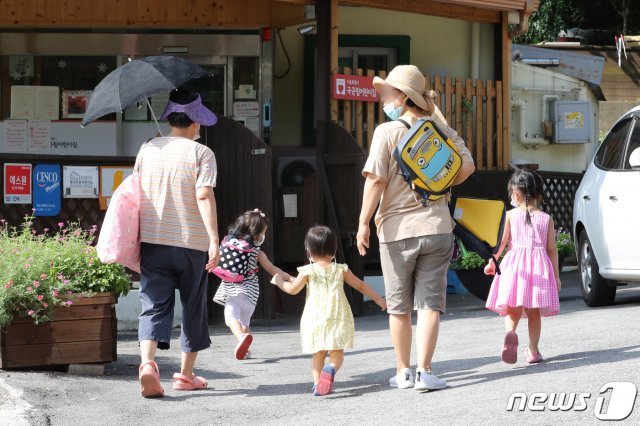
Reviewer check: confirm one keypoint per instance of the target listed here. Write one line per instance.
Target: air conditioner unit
(292, 170)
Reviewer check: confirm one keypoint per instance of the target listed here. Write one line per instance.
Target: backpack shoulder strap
(404, 122)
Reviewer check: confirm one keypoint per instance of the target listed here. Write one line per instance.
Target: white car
(606, 214)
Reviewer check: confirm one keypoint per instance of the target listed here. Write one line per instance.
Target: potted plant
(56, 297)
(469, 267)
(565, 245)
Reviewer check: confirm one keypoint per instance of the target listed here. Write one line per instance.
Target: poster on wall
(22, 103)
(47, 180)
(247, 109)
(352, 87)
(15, 135)
(74, 103)
(17, 183)
(39, 136)
(21, 67)
(68, 138)
(110, 178)
(80, 181)
(35, 102)
(252, 123)
(47, 103)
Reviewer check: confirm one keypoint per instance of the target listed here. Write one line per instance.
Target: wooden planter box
(84, 332)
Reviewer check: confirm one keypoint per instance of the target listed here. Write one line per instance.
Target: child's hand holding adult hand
(277, 280)
(490, 269)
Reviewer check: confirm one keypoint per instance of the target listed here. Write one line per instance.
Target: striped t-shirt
(171, 169)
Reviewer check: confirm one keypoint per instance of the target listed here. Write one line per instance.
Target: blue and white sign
(47, 190)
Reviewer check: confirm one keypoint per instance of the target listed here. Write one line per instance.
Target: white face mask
(513, 202)
(196, 136)
(259, 242)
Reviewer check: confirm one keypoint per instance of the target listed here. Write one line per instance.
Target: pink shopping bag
(119, 240)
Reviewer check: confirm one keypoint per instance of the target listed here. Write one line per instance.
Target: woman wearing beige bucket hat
(416, 241)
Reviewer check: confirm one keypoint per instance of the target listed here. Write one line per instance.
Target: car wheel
(596, 290)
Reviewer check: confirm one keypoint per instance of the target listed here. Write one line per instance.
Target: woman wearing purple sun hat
(179, 239)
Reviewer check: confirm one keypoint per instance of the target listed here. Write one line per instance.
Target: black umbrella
(136, 80)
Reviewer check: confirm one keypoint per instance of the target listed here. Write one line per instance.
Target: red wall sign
(17, 183)
(353, 87)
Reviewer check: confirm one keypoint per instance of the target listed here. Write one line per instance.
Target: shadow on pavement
(557, 363)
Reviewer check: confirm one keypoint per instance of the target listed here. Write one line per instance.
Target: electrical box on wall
(571, 122)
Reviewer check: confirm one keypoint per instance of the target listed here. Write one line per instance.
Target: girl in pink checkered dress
(530, 280)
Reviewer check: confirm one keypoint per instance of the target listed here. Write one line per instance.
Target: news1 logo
(619, 403)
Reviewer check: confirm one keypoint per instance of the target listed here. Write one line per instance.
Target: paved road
(585, 348)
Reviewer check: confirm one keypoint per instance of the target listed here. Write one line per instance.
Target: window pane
(211, 88)
(245, 78)
(68, 73)
(634, 143)
(76, 72)
(373, 62)
(610, 154)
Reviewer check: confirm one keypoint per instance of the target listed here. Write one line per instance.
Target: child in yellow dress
(326, 326)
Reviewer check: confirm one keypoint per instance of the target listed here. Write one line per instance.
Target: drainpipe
(475, 51)
(523, 136)
(545, 109)
(545, 104)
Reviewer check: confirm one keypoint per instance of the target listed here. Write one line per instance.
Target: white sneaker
(426, 380)
(402, 380)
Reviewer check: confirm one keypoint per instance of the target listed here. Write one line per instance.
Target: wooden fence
(474, 109)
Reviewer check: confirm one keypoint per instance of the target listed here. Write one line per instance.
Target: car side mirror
(634, 159)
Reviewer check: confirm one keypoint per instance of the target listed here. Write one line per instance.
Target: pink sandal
(182, 382)
(150, 386)
(534, 359)
(325, 384)
(510, 348)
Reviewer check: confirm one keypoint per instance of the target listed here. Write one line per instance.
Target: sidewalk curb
(13, 408)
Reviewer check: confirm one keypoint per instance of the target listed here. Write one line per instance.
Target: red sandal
(182, 382)
(242, 348)
(150, 386)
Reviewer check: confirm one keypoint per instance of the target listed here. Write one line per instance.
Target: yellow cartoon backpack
(428, 159)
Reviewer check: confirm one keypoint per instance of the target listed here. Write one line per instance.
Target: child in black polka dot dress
(238, 268)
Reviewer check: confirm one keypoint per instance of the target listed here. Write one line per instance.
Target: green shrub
(38, 272)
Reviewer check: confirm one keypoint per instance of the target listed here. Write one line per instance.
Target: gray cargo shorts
(415, 272)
